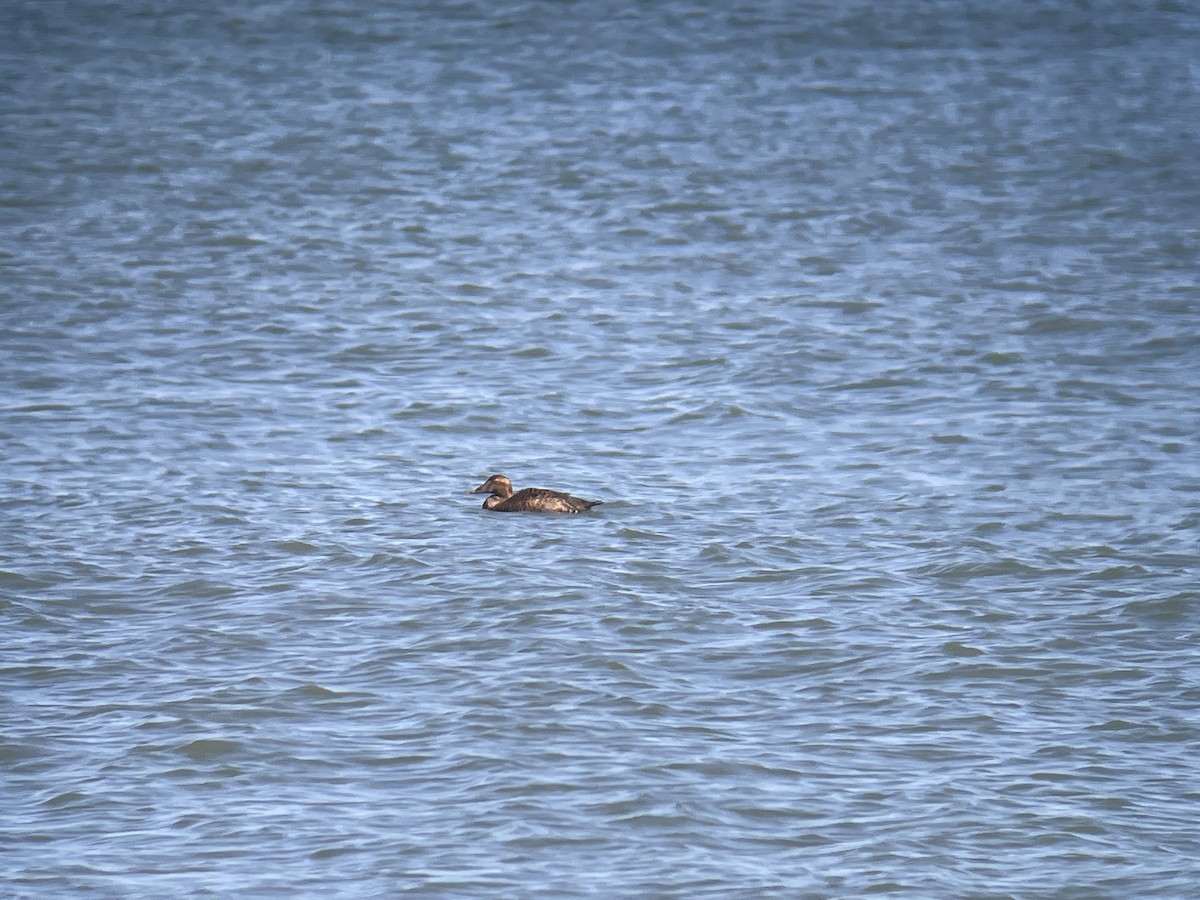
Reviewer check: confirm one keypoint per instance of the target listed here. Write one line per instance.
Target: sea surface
(876, 327)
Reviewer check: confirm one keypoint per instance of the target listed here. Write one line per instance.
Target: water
(875, 326)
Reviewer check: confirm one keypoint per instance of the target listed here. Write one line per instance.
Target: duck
(502, 498)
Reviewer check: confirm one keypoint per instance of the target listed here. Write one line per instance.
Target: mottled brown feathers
(503, 499)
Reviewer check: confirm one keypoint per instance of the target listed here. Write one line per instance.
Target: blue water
(875, 326)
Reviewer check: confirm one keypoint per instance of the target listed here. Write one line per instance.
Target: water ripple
(885, 378)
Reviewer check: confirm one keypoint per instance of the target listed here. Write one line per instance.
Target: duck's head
(497, 484)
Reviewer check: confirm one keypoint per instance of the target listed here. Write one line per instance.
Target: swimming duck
(503, 499)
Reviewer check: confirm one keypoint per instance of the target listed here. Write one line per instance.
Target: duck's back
(543, 500)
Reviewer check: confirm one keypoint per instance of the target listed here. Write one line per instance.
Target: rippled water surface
(875, 326)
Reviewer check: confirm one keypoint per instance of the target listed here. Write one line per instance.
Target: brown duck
(503, 499)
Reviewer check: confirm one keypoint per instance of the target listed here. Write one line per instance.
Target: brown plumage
(503, 499)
